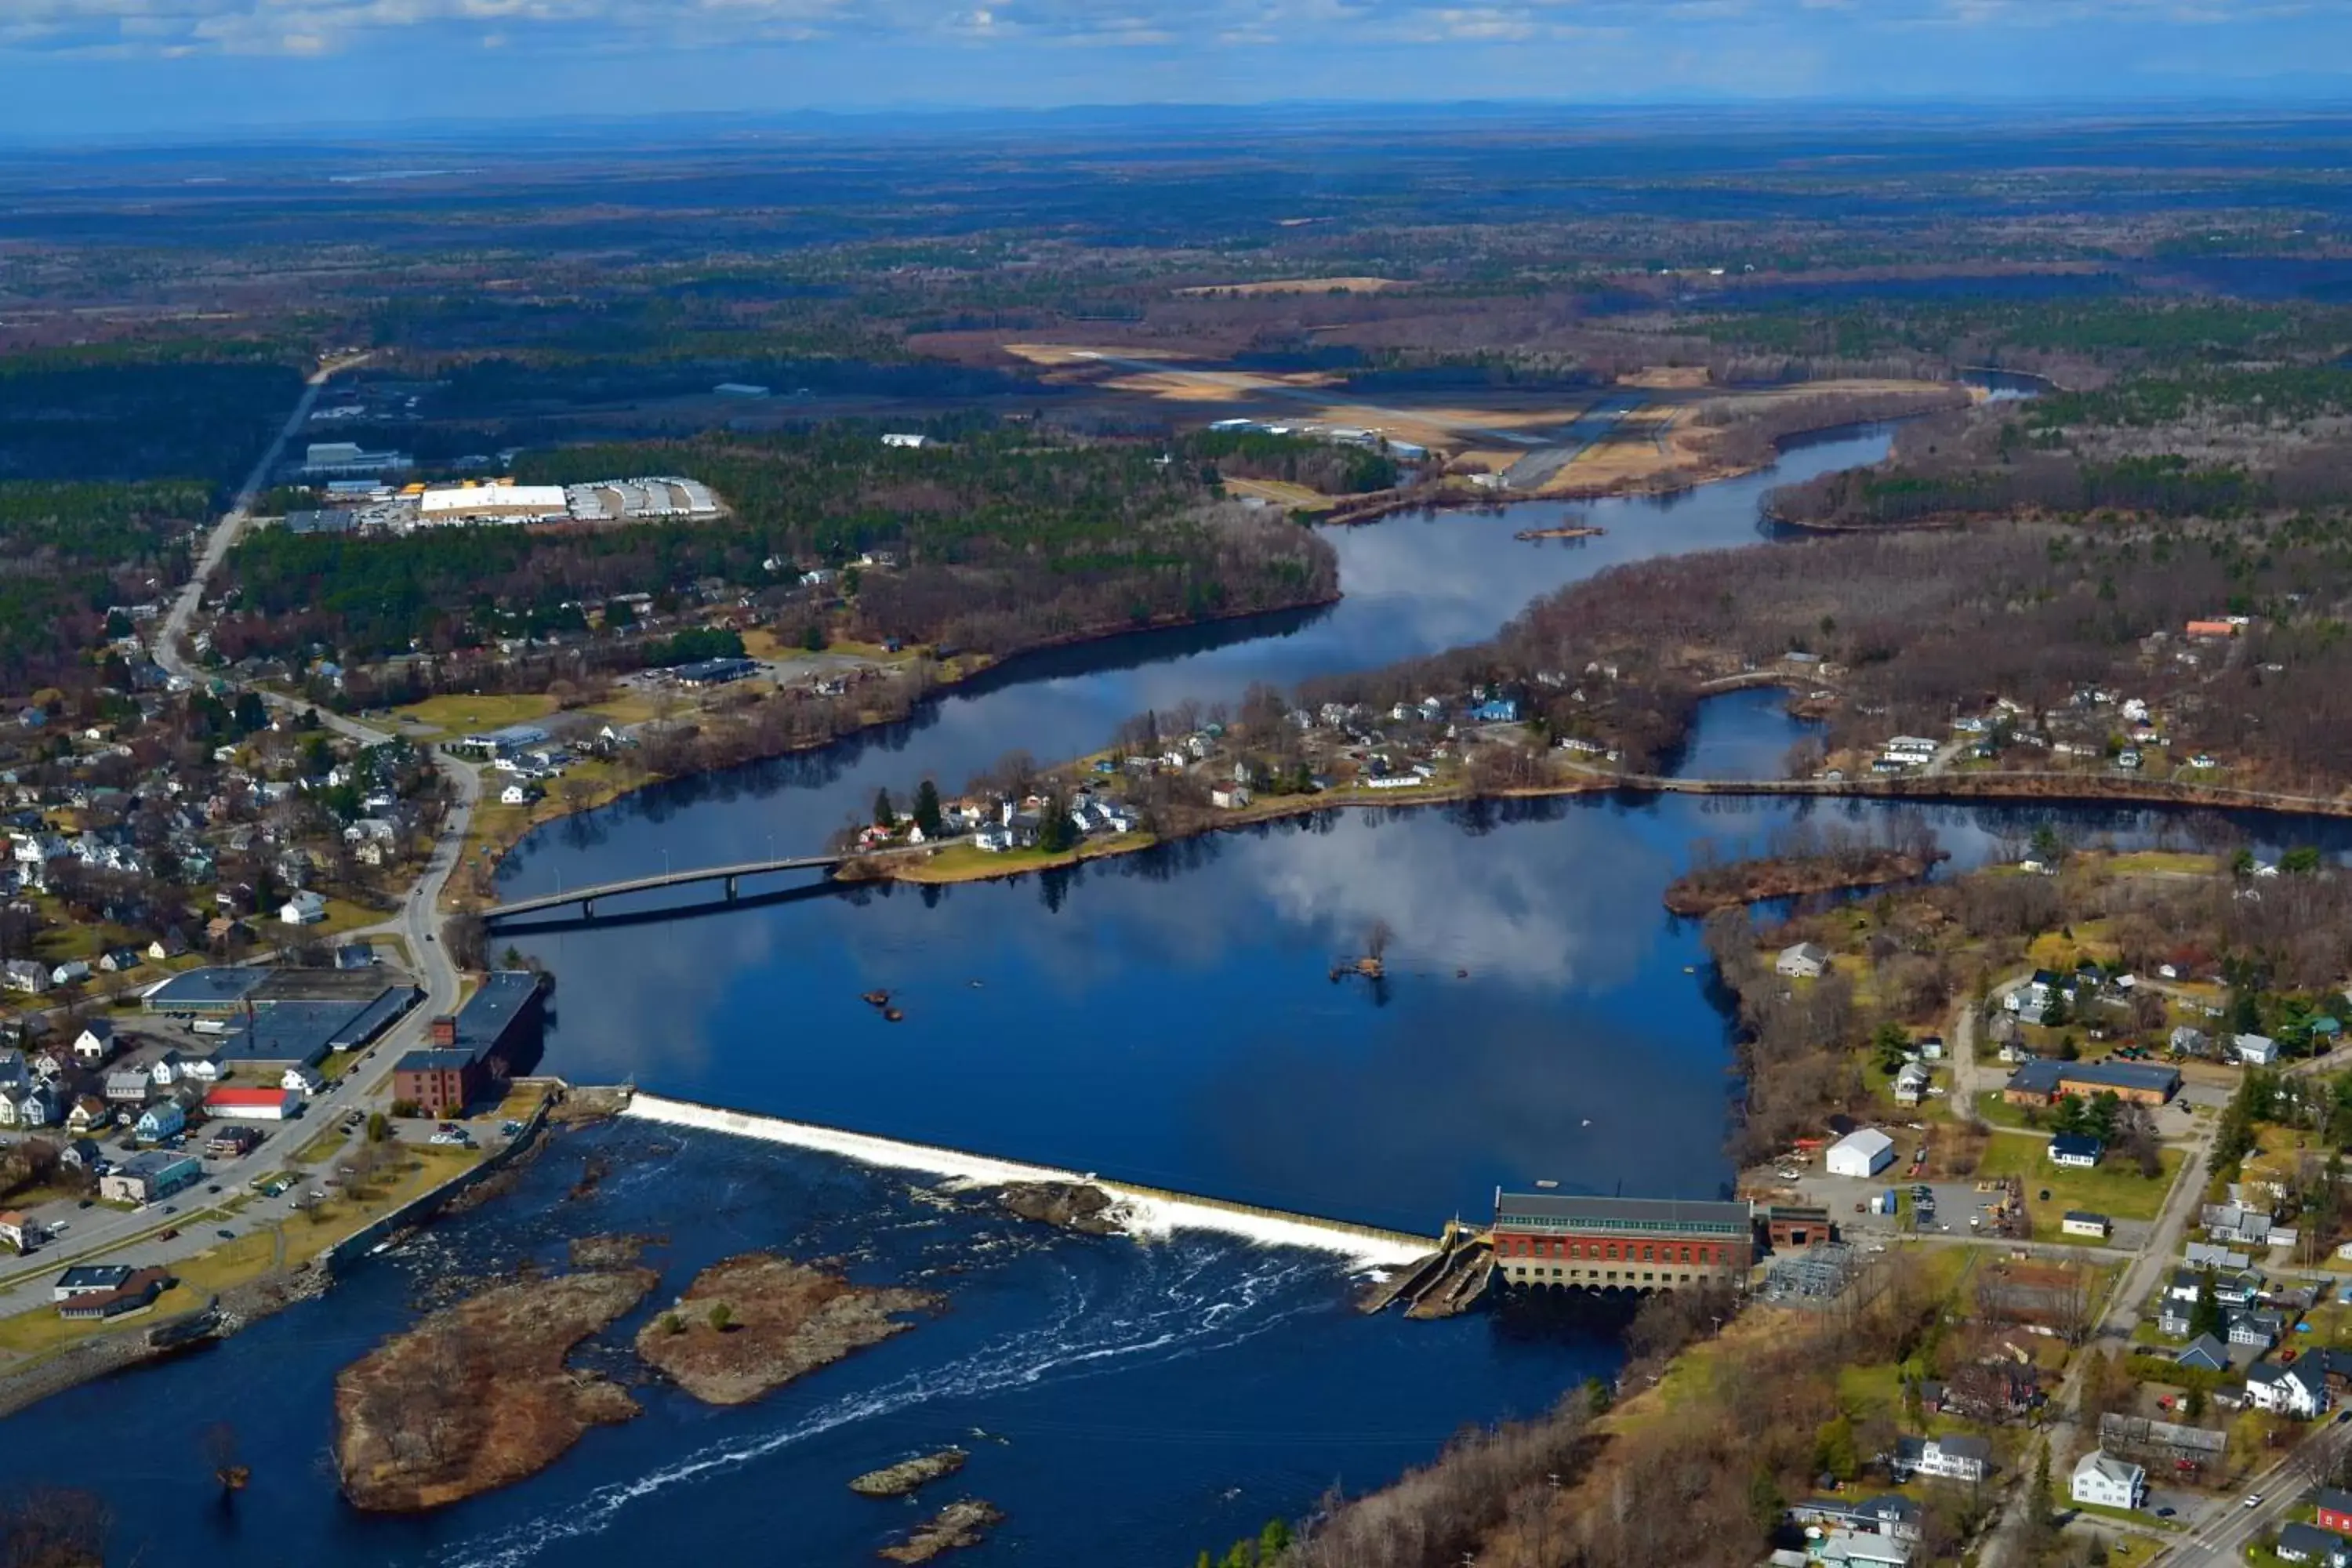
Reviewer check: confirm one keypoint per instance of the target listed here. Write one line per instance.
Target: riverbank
(229, 1288)
(961, 863)
(1716, 888)
(498, 829)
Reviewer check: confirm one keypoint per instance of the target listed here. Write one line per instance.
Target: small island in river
(959, 1524)
(477, 1395)
(1710, 887)
(1080, 1206)
(905, 1476)
(752, 1324)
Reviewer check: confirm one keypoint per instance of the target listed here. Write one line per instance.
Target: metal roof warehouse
(209, 991)
(305, 1032)
(1634, 1216)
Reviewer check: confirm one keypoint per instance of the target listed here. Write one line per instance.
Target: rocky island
(477, 1395)
(752, 1324)
(965, 1522)
(907, 1475)
(1071, 1205)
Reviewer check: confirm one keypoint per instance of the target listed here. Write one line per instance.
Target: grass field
(1995, 1111)
(964, 863)
(2114, 1188)
(1297, 498)
(457, 714)
(2165, 862)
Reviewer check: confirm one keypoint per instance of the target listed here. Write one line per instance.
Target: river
(1166, 1017)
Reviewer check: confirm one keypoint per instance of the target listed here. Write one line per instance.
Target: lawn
(967, 863)
(2112, 1188)
(2165, 862)
(1875, 1387)
(324, 1145)
(30, 1333)
(457, 714)
(1995, 1111)
(231, 1263)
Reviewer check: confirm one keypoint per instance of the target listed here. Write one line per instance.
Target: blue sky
(149, 67)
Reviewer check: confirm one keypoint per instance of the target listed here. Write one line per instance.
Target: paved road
(2220, 1534)
(24, 1282)
(2061, 1435)
(231, 527)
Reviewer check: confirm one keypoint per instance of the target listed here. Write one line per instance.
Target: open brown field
(1298, 286)
(1678, 439)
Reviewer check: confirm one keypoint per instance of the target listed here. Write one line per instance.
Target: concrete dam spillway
(1142, 1211)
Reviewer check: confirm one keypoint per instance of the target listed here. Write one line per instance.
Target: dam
(1141, 1210)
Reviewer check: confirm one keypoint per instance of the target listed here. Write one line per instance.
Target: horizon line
(553, 125)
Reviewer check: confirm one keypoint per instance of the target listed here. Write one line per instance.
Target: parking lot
(1952, 1204)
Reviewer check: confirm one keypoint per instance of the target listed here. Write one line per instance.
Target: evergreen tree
(2038, 1503)
(883, 816)
(2205, 1316)
(927, 810)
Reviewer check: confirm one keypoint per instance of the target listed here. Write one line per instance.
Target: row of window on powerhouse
(1700, 1253)
(1517, 1271)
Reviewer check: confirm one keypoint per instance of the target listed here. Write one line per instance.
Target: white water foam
(1142, 1214)
(1187, 1313)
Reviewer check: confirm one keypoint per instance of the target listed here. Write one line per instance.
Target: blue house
(160, 1121)
(1498, 711)
(2076, 1150)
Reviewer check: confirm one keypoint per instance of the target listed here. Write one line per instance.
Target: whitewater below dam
(1166, 1020)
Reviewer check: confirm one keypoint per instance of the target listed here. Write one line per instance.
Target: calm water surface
(1166, 1017)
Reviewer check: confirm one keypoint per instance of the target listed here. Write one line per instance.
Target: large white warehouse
(494, 502)
(1863, 1153)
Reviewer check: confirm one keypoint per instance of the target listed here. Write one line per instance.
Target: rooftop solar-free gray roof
(1657, 1217)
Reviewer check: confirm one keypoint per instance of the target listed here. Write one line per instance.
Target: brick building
(1619, 1244)
(468, 1056)
(2048, 1082)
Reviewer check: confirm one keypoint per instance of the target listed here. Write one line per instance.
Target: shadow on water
(665, 914)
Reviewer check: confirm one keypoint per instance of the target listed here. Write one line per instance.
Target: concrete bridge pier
(587, 908)
(731, 889)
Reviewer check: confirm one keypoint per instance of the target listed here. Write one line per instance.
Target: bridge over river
(731, 875)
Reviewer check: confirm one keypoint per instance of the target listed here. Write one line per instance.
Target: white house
(304, 909)
(1951, 1458)
(1229, 797)
(2254, 1051)
(302, 1080)
(1806, 961)
(1910, 1084)
(28, 1107)
(2286, 1390)
(2104, 1482)
(1865, 1151)
(95, 1042)
(2081, 1222)
(1861, 1549)
(72, 972)
(159, 1120)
